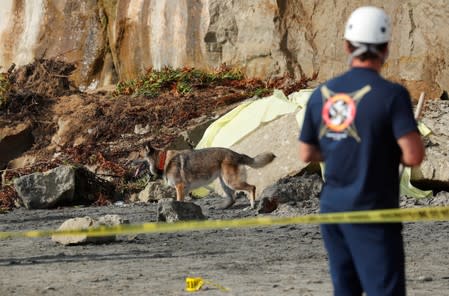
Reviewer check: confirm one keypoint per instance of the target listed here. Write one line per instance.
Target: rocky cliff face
(111, 40)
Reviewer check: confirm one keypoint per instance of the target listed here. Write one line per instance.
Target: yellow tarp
(408, 189)
(245, 118)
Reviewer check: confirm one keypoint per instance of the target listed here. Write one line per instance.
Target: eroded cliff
(112, 40)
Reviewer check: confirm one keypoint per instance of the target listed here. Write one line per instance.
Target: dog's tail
(260, 160)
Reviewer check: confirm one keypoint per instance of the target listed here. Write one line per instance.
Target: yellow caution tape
(376, 216)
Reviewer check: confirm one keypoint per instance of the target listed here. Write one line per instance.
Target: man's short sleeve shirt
(356, 119)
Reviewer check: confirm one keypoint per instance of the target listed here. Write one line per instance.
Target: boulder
(169, 210)
(301, 190)
(156, 190)
(47, 190)
(62, 186)
(86, 223)
(441, 199)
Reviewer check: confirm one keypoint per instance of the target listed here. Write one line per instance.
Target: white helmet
(369, 25)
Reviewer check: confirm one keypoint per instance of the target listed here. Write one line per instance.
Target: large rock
(82, 223)
(302, 191)
(47, 190)
(169, 210)
(117, 40)
(156, 190)
(62, 186)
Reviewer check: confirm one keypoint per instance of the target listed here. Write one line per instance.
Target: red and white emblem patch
(339, 112)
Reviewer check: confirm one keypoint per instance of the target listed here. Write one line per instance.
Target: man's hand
(412, 148)
(309, 153)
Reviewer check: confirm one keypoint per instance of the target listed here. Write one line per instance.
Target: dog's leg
(229, 194)
(179, 191)
(251, 189)
(232, 177)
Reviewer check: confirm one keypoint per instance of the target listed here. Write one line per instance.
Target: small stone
(169, 210)
(424, 278)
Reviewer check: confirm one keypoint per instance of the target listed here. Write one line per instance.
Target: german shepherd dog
(190, 169)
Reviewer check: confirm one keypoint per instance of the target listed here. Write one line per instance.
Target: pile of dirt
(30, 91)
(33, 85)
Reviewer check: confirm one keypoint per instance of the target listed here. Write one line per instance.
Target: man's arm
(412, 148)
(309, 153)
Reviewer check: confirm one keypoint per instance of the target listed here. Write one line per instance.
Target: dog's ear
(148, 148)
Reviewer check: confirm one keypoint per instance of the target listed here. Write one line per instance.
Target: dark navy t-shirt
(355, 119)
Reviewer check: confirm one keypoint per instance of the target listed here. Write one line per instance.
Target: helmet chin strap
(361, 48)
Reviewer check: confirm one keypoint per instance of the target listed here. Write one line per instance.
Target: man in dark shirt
(362, 127)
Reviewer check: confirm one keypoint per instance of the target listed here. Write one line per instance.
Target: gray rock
(425, 278)
(112, 220)
(441, 199)
(47, 190)
(169, 210)
(286, 210)
(63, 186)
(296, 190)
(115, 220)
(88, 222)
(156, 190)
(77, 223)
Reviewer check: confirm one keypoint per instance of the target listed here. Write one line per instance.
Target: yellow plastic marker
(194, 284)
